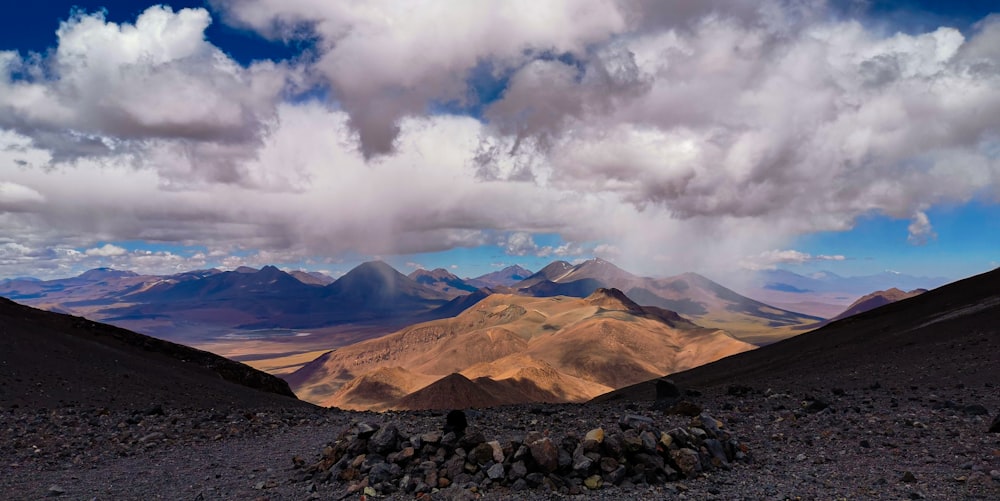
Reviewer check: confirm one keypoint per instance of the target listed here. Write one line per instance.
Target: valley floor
(870, 442)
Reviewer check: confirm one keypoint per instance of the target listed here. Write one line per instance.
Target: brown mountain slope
(312, 277)
(538, 349)
(877, 299)
(48, 359)
(948, 336)
(694, 296)
(866, 303)
(442, 281)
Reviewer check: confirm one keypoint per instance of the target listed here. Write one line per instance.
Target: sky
(665, 136)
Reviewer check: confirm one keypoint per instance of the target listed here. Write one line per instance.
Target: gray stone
(54, 491)
(631, 441)
(710, 425)
(635, 422)
(473, 436)
(615, 476)
(534, 478)
(495, 472)
(581, 462)
(565, 458)
(717, 453)
(613, 446)
(681, 437)
(381, 472)
(648, 439)
(365, 430)
(384, 440)
(517, 470)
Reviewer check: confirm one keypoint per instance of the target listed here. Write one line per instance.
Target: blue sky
(667, 137)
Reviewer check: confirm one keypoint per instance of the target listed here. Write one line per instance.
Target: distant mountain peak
(505, 277)
(270, 270)
(599, 269)
(435, 274)
(245, 269)
(372, 272)
(612, 298)
(311, 277)
(376, 265)
(105, 273)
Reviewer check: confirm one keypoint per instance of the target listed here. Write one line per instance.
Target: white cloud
(414, 265)
(607, 251)
(110, 88)
(387, 60)
(108, 250)
(683, 135)
(520, 243)
(920, 229)
(770, 259)
(15, 197)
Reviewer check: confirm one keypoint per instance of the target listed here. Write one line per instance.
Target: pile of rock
(380, 460)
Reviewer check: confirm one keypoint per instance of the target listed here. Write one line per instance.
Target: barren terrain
(897, 403)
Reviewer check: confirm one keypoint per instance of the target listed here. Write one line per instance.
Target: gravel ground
(864, 442)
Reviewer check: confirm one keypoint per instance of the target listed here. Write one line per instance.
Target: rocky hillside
(697, 298)
(512, 349)
(52, 359)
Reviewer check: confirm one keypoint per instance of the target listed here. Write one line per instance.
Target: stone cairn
(378, 460)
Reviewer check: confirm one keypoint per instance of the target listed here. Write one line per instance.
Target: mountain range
(510, 349)
(692, 295)
(502, 278)
(280, 321)
(824, 293)
(937, 339)
(444, 281)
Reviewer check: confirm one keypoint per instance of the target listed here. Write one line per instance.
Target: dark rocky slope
(948, 336)
(51, 360)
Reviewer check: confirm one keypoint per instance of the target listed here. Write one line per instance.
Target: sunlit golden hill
(511, 349)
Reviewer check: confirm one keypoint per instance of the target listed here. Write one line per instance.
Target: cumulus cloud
(108, 88)
(520, 243)
(107, 250)
(920, 229)
(669, 136)
(770, 260)
(387, 60)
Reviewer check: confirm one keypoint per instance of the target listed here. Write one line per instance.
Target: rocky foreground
(869, 441)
